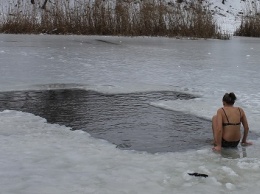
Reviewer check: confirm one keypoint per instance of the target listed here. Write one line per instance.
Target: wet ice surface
(41, 157)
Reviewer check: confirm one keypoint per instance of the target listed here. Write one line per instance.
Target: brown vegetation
(250, 23)
(122, 17)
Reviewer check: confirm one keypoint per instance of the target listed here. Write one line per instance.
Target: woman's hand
(246, 143)
(217, 148)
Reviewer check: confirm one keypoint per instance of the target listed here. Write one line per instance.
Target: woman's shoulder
(241, 110)
(238, 107)
(220, 110)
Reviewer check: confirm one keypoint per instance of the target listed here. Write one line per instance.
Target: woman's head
(229, 98)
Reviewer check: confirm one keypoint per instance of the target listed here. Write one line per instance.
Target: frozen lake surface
(131, 75)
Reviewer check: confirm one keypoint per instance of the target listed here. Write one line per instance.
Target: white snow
(37, 157)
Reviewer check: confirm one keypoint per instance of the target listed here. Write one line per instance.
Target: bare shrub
(120, 17)
(20, 19)
(250, 22)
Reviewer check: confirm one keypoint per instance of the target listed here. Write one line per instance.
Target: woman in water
(226, 124)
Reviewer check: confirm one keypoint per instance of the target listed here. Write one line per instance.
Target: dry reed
(250, 22)
(121, 17)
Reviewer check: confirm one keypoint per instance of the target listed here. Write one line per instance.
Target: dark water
(127, 120)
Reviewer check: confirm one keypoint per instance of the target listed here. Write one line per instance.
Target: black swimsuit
(228, 123)
(230, 144)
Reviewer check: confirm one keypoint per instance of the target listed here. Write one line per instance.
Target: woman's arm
(246, 128)
(219, 131)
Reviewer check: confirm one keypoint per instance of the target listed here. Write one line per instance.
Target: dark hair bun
(232, 96)
(229, 98)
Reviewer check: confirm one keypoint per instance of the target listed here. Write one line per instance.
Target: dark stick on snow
(198, 174)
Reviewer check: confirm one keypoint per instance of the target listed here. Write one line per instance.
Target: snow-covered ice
(38, 157)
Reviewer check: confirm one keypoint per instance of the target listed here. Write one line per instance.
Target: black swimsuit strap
(225, 114)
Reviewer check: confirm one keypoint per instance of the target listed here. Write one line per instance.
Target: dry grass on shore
(250, 23)
(122, 17)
